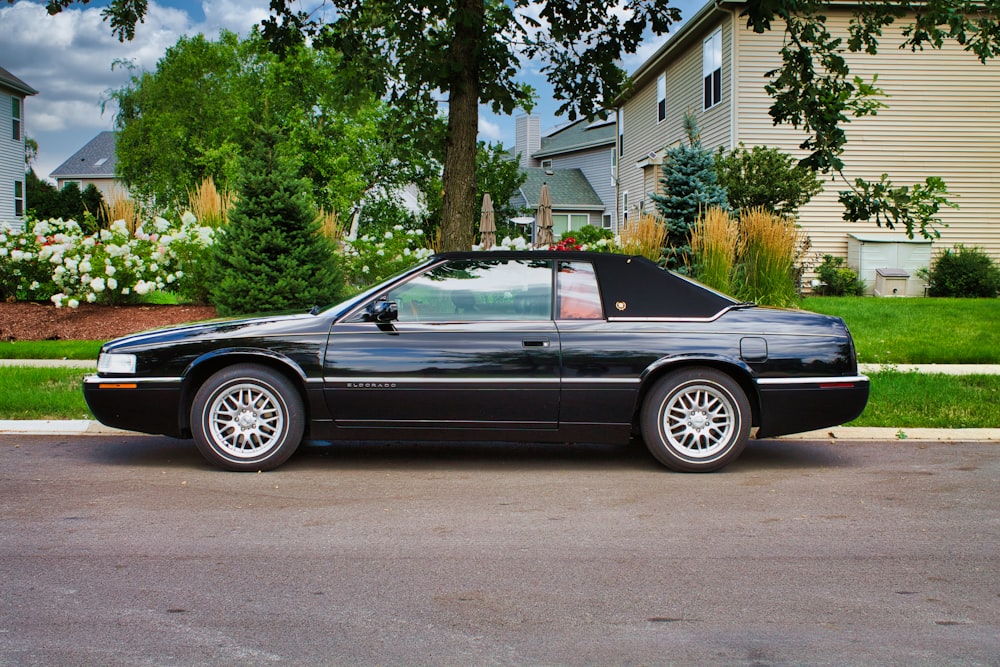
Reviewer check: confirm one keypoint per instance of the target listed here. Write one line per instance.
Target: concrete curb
(58, 427)
(51, 363)
(870, 433)
(930, 369)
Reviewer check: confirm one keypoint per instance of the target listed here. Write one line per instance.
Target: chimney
(528, 138)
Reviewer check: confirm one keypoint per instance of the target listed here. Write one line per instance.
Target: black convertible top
(631, 285)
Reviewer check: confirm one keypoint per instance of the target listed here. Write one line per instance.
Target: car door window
(577, 296)
(478, 290)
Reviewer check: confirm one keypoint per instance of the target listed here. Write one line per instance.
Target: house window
(625, 209)
(568, 222)
(661, 98)
(18, 199)
(711, 68)
(606, 221)
(15, 116)
(546, 164)
(621, 133)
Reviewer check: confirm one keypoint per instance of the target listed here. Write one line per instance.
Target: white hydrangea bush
(112, 266)
(375, 257)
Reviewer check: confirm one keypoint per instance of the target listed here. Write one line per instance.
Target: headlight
(116, 363)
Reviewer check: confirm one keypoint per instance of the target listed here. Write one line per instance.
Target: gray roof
(95, 160)
(8, 80)
(569, 188)
(578, 136)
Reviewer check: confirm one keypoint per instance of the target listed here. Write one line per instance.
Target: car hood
(233, 328)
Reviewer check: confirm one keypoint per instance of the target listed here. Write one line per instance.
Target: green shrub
(964, 272)
(837, 279)
(765, 177)
(271, 255)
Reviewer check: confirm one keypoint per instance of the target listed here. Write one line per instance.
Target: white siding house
(943, 119)
(13, 92)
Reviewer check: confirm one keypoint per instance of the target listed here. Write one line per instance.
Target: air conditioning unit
(890, 282)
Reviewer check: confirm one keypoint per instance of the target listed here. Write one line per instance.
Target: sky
(71, 60)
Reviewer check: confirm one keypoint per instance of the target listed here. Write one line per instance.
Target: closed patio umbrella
(544, 217)
(487, 224)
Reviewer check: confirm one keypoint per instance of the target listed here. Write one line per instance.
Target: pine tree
(689, 188)
(271, 256)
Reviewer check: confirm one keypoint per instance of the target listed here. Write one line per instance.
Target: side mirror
(385, 311)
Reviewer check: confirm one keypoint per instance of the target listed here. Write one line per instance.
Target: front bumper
(146, 405)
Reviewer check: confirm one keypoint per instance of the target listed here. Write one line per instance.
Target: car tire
(247, 418)
(696, 420)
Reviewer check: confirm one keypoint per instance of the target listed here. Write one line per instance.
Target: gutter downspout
(734, 134)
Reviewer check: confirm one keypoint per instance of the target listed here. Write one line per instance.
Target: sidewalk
(853, 434)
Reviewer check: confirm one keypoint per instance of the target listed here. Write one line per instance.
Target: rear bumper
(146, 405)
(794, 405)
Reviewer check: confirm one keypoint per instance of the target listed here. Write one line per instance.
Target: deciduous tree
(192, 117)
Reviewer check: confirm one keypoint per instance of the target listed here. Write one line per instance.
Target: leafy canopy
(192, 118)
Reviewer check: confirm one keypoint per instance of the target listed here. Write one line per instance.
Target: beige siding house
(943, 120)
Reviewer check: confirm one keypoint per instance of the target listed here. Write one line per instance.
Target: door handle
(535, 342)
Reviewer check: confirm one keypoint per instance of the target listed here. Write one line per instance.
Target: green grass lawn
(918, 331)
(920, 400)
(42, 393)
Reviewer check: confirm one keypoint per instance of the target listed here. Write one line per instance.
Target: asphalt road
(132, 551)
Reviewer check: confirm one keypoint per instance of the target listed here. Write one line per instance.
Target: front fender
(242, 355)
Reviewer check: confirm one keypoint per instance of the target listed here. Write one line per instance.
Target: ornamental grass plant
(119, 206)
(713, 245)
(644, 236)
(210, 205)
(767, 249)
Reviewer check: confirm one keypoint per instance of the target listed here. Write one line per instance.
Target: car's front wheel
(247, 418)
(696, 420)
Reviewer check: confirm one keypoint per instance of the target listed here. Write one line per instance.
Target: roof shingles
(569, 188)
(95, 160)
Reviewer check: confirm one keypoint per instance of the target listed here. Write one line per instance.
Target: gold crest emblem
(621, 305)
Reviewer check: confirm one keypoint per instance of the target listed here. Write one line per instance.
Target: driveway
(125, 550)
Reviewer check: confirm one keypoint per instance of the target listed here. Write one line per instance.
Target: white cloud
(489, 131)
(233, 15)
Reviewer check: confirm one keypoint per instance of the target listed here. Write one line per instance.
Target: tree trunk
(457, 214)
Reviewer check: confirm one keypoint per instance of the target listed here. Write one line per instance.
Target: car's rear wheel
(247, 418)
(696, 420)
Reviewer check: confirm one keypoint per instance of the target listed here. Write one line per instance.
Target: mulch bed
(21, 320)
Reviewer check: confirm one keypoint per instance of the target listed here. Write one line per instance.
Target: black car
(520, 346)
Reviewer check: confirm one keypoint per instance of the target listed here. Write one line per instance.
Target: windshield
(338, 310)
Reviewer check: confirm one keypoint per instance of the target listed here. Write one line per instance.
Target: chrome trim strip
(97, 379)
(812, 380)
(668, 319)
(628, 381)
(418, 380)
